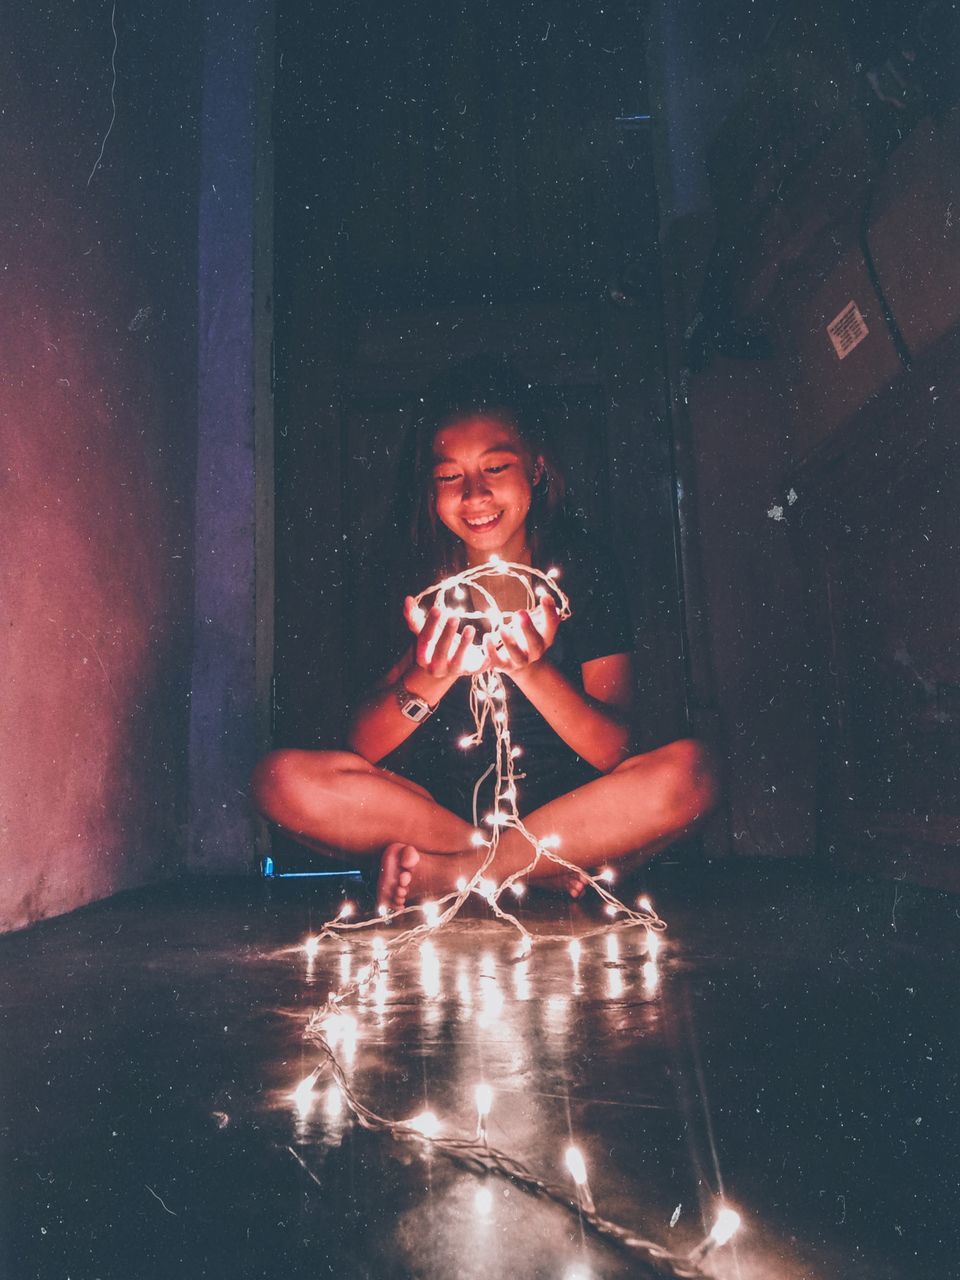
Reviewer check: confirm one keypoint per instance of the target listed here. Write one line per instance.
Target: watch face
(415, 709)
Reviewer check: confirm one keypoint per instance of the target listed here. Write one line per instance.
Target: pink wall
(97, 450)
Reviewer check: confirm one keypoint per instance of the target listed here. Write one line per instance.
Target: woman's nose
(475, 486)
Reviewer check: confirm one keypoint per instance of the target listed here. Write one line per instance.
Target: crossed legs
(333, 800)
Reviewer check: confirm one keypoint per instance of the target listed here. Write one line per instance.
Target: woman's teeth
(485, 523)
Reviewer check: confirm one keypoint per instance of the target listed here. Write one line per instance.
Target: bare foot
(566, 882)
(396, 868)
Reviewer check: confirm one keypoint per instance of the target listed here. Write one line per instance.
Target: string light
(303, 1094)
(725, 1226)
(426, 1124)
(331, 1027)
(578, 1172)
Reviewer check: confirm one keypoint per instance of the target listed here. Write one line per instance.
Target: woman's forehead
(476, 435)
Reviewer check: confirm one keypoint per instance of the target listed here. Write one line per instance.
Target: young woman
(486, 484)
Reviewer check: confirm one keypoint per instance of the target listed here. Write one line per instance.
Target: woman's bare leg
(639, 808)
(334, 800)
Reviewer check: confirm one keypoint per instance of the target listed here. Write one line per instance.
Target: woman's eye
(495, 471)
(446, 479)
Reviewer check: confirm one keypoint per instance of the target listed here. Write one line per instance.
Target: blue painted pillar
(228, 684)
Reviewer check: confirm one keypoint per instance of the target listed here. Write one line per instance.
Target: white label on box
(847, 330)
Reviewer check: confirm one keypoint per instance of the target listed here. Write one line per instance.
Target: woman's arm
(428, 669)
(594, 722)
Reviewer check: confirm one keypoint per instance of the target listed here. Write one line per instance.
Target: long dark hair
(483, 386)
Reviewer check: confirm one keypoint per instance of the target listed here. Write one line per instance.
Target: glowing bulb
(551, 842)
(426, 1123)
(728, 1221)
(341, 1028)
(346, 911)
(418, 617)
(382, 909)
(461, 883)
(302, 1095)
(575, 950)
(486, 888)
(644, 903)
(465, 742)
(653, 945)
(495, 559)
(459, 593)
(311, 947)
(607, 875)
(483, 1201)
(477, 839)
(516, 752)
(484, 1098)
(578, 1171)
(610, 910)
(576, 1166)
(518, 888)
(510, 793)
(431, 912)
(553, 573)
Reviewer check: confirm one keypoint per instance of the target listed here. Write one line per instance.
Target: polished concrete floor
(796, 1050)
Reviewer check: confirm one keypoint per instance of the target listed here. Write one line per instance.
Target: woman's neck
(517, 551)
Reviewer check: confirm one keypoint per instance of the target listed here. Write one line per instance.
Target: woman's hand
(441, 647)
(525, 641)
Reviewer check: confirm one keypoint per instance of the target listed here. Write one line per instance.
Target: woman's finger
(532, 641)
(516, 653)
(548, 620)
(445, 647)
(458, 656)
(429, 634)
(413, 615)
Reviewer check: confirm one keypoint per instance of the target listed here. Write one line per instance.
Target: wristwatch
(412, 705)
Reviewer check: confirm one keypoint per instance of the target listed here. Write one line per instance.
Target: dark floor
(799, 1050)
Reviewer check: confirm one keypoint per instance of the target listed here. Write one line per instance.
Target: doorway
(450, 181)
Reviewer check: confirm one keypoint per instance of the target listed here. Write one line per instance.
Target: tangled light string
(326, 1026)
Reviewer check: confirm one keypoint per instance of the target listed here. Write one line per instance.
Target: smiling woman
(487, 489)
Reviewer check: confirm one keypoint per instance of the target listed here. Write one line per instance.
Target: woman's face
(483, 476)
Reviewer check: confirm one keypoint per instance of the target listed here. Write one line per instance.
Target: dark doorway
(453, 180)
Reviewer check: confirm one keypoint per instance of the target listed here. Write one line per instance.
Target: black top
(598, 626)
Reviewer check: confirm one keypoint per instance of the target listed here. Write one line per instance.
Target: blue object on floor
(269, 872)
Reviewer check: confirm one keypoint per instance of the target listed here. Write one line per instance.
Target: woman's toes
(396, 867)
